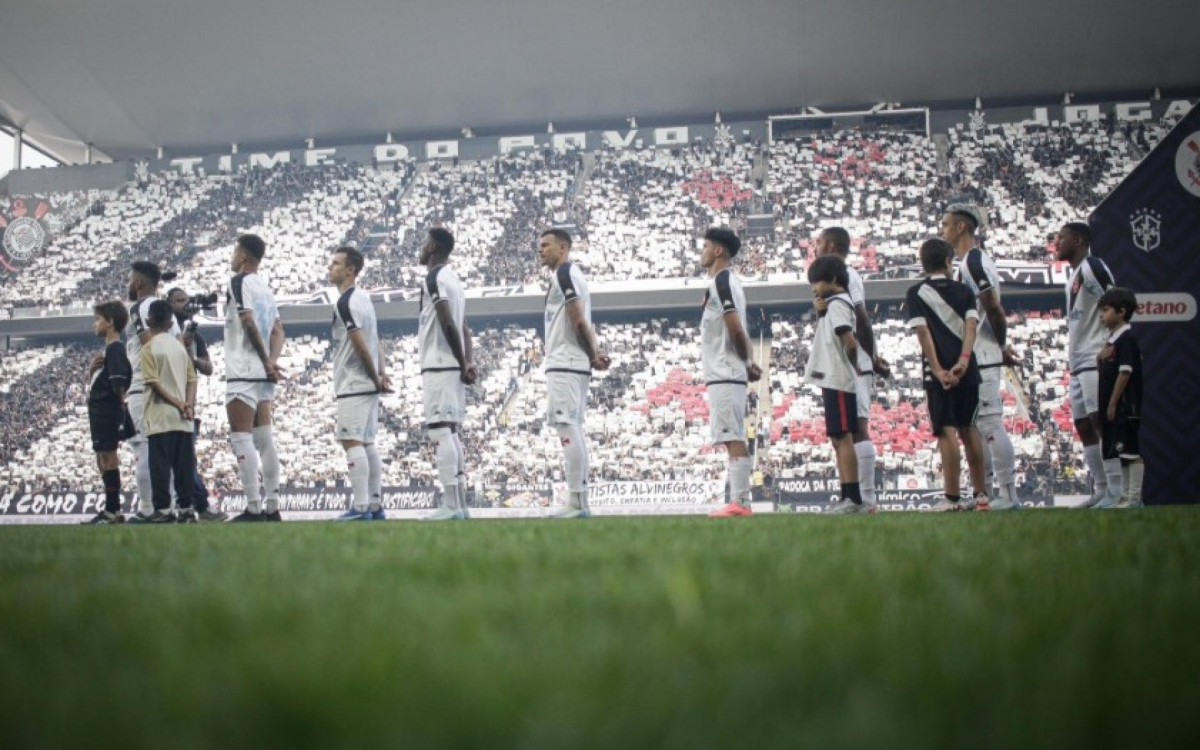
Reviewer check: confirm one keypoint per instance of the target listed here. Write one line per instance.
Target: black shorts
(841, 412)
(956, 407)
(1119, 439)
(106, 427)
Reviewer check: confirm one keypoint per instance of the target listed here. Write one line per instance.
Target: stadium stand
(636, 212)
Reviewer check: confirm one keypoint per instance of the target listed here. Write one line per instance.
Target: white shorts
(990, 401)
(862, 395)
(252, 392)
(566, 397)
(445, 396)
(137, 412)
(727, 412)
(358, 417)
(1084, 391)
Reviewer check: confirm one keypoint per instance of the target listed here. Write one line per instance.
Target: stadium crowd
(635, 211)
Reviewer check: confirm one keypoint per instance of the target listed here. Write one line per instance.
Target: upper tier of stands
(636, 213)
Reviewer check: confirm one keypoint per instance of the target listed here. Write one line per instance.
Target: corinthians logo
(23, 234)
(1187, 163)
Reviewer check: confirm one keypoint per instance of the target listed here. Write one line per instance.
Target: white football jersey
(718, 356)
(858, 296)
(354, 311)
(978, 271)
(247, 292)
(139, 313)
(828, 365)
(563, 352)
(441, 287)
(1085, 333)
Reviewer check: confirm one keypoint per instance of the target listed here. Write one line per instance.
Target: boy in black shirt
(943, 314)
(1120, 395)
(107, 416)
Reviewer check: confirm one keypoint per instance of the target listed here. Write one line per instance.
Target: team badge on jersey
(1144, 225)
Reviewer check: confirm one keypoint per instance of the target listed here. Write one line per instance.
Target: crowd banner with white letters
(1148, 232)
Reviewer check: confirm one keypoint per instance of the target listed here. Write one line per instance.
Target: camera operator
(184, 307)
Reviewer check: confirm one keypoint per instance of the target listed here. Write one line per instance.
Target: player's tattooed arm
(994, 312)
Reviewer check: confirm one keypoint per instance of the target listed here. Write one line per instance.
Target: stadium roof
(196, 76)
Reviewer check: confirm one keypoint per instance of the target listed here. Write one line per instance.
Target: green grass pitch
(1035, 629)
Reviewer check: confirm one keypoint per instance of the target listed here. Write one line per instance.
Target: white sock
(141, 475)
(247, 467)
(1133, 484)
(739, 480)
(866, 470)
(575, 459)
(1095, 463)
(462, 454)
(375, 477)
(447, 465)
(360, 476)
(1112, 469)
(1002, 458)
(461, 476)
(264, 443)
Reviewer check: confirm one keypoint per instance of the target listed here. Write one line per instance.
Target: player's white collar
(1117, 333)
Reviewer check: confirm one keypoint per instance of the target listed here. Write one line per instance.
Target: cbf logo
(1144, 225)
(23, 234)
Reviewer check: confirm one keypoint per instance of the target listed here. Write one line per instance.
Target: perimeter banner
(70, 502)
(1148, 232)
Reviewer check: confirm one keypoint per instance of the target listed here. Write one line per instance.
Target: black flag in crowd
(1148, 232)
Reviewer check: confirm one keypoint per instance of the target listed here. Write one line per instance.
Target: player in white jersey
(572, 352)
(976, 269)
(143, 290)
(251, 372)
(725, 358)
(836, 241)
(359, 377)
(1090, 278)
(444, 349)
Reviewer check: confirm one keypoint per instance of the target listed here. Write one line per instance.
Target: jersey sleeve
(116, 364)
(841, 316)
(858, 295)
(137, 313)
(345, 311)
(149, 365)
(915, 307)
(433, 285)
(725, 292)
(239, 293)
(1100, 280)
(566, 282)
(964, 304)
(977, 272)
(1129, 354)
